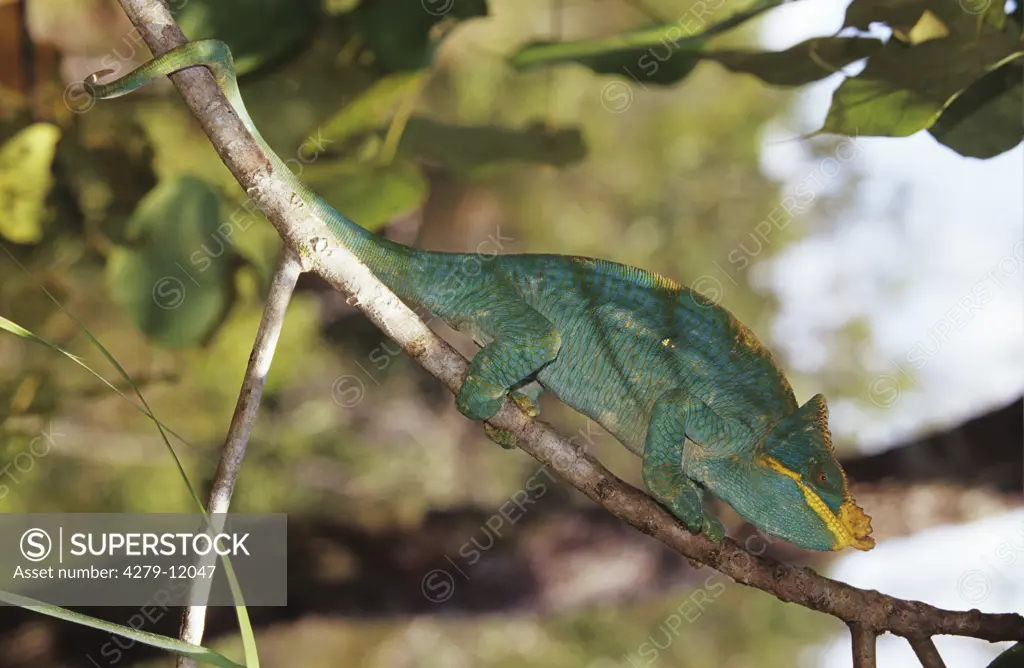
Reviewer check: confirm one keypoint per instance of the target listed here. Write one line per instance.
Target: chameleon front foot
(683, 498)
(688, 509)
(664, 452)
(479, 400)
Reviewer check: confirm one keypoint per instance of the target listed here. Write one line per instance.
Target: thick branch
(309, 237)
(982, 452)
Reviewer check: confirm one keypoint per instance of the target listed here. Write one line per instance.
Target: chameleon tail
(386, 259)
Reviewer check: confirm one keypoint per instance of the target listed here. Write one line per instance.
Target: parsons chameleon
(674, 377)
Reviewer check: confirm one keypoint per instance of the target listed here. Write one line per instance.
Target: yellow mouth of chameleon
(852, 527)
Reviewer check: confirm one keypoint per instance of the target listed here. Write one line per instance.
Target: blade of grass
(18, 330)
(199, 654)
(244, 625)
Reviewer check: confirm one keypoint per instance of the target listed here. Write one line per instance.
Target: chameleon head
(796, 490)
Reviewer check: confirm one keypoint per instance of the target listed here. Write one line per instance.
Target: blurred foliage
(409, 43)
(24, 181)
(952, 68)
(366, 144)
(258, 31)
(719, 624)
(173, 220)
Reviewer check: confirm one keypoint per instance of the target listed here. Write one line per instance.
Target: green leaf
(808, 61)
(463, 148)
(660, 54)
(900, 15)
(373, 196)
(176, 278)
(401, 33)
(373, 107)
(258, 31)
(985, 120)
(992, 12)
(200, 654)
(953, 72)
(25, 180)
(1011, 658)
(963, 18)
(904, 88)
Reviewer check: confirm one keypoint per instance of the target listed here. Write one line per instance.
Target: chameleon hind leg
(524, 341)
(673, 418)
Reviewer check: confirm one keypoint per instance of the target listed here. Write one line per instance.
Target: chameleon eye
(820, 476)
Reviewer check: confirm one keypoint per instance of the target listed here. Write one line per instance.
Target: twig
(926, 652)
(193, 619)
(863, 640)
(322, 254)
(400, 120)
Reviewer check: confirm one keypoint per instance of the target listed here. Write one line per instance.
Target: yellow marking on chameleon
(663, 282)
(666, 342)
(851, 528)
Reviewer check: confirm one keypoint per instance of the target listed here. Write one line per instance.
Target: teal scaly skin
(674, 377)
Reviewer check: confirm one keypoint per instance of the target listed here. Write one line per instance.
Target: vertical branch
(193, 620)
(926, 652)
(863, 640)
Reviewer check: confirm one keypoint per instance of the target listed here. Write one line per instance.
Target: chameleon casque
(674, 377)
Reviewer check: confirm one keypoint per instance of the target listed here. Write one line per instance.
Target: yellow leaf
(927, 28)
(25, 180)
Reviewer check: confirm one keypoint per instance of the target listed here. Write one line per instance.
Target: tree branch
(926, 652)
(863, 641)
(981, 452)
(193, 619)
(321, 254)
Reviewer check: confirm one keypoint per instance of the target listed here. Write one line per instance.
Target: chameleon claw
(502, 437)
(713, 529)
(526, 404)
